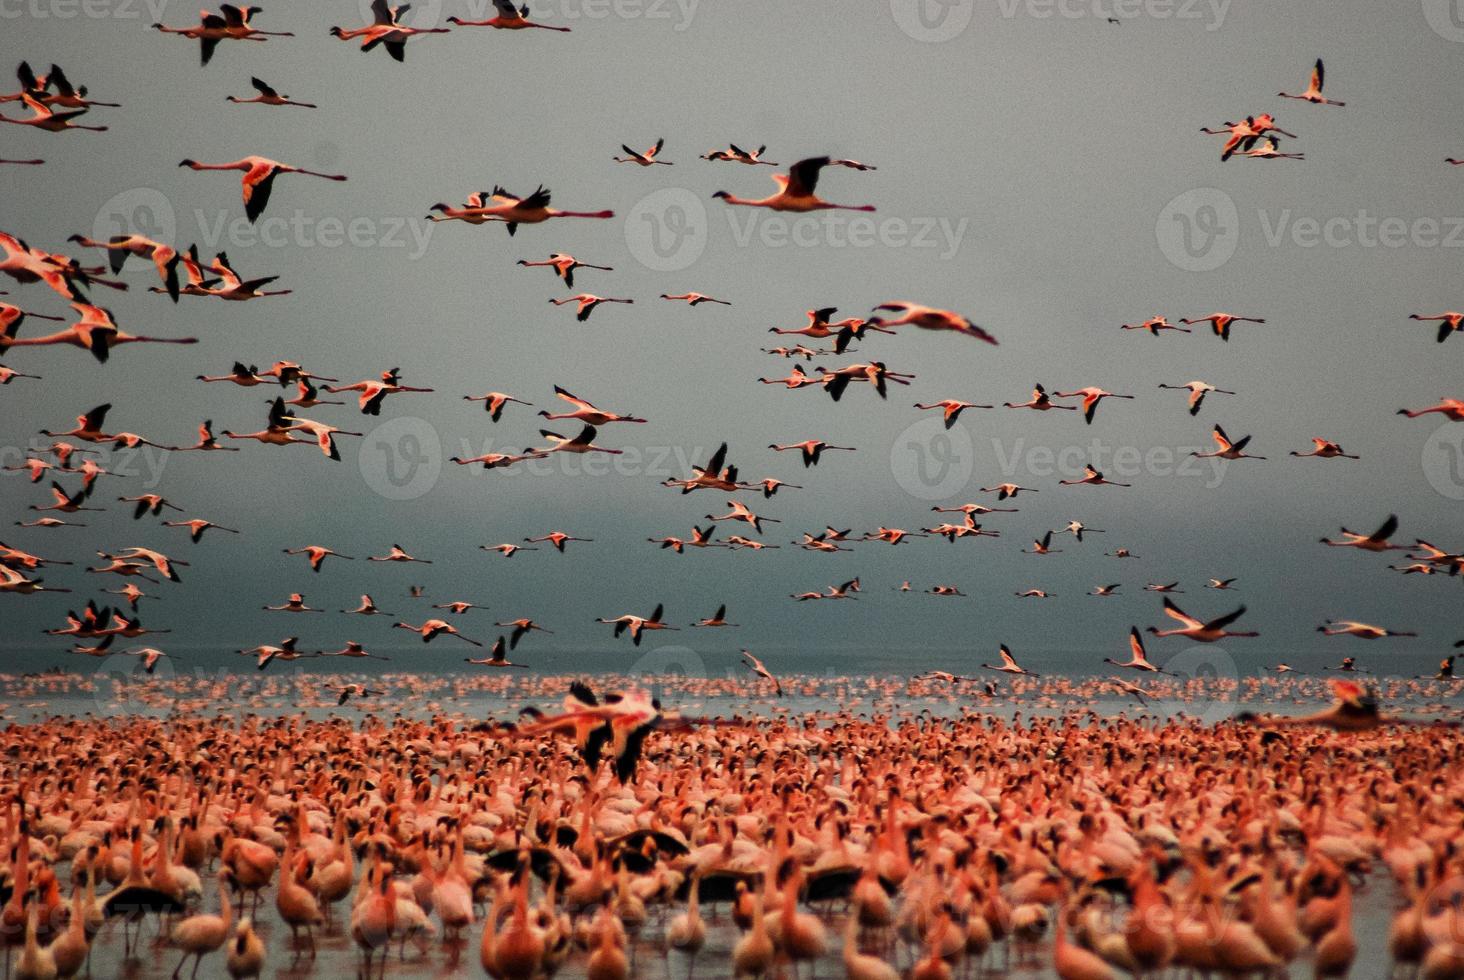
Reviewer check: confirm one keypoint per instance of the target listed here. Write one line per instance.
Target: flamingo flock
(600, 826)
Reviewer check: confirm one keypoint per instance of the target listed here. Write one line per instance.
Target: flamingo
(386, 30)
(758, 668)
(694, 299)
(1198, 390)
(586, 303)
(1198, 630)
(735, 154)
(1226, 448)
(564, 265)
(268, 96)
(740, 512)
(245, 376)
(716, 619)
(1363, 631)
(795, 191)
(586, 412)
(556, 538)
(1155, 325)
(1449, 322)
(1043, 546)
(1093, 478)
(637, 624)
(583, 442)
(521, 628)
(1041, 402)
(1008, 663)
(277, 431)
(373, 392)
(1266, 150)
(42, 117)
(1091, 396)
(197, 526)
(258, 181)
(396, 554)
(1375, 542)
(1105, 590)
(118, 247)
(96, 331)
(240, 290)
(812, 450)
(1222, 584)
(1450, 408)
(1313, 93)
(1006, 491)
(643, 159)
(1138, 656)
(324, 435)
(513, 210)
(494, 402)
(1220, 322)
(1326, 449)
(316, 555)
(509, 19)
(433, 628)
(929, 318)
(230, 24)
(497, 657)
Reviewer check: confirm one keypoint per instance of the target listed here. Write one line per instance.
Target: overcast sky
(1039, 169)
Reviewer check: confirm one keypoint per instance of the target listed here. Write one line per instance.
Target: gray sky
(1050, 147)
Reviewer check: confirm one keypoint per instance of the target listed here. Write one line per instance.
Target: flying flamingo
(514, 210)
(929, 318)
(497, 657)
(1009, 663)
(96, 331)
(386, 30)
(1220, 322)
(230, 24)
(433, 628)
(795, 191)
(1139, 658)
(509, 19)
(1449, 322)
(646, 159)
(637, 624)
(1226, 448)
(259, 175)
(268, 96)
(1313, 93)
(1091, 396)
(494, 402)
(585, 411)
(735, 154)
(812, 450)
(53, 122)
(586, 303)
(694, 299)
(1198, 390)
(1450, 408)
(564, 266)
(1326, 449)
(1364, 631)
(373, 393)
(1198, 630)
(757, 667)
(1155, 324)
(118, 247)
(1041, 402)
(1092, 477)
(584, 442)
